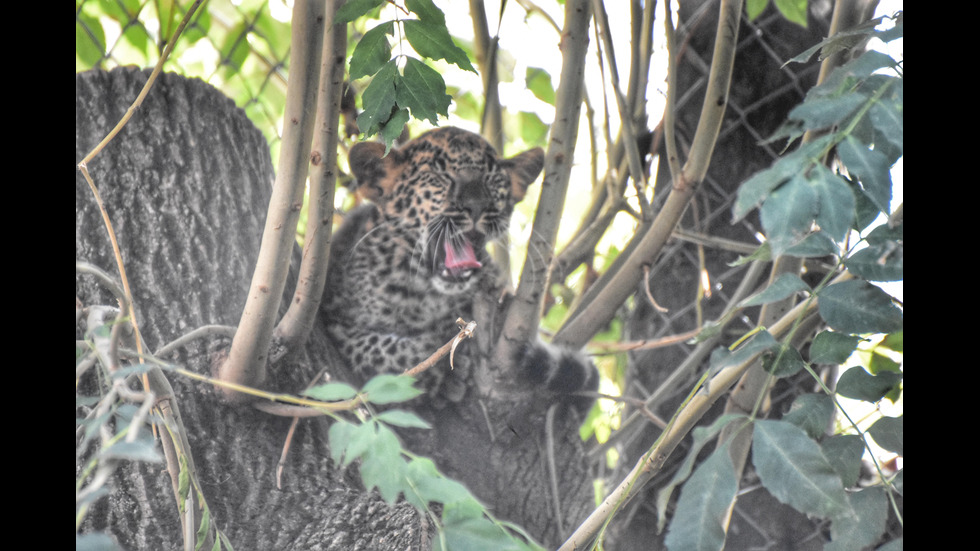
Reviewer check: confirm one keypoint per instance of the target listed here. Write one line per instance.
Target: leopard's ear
(376, 172)
(523, 170)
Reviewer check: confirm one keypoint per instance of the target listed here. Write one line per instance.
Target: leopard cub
(412, 259)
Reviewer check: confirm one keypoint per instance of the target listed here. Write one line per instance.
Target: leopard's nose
(471, 197)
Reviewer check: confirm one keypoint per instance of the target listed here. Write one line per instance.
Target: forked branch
(247, 360)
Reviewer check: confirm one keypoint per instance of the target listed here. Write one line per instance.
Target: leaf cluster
(796, 461)
(385, 465)
(809, 210)
(806, 208)
(402, 85)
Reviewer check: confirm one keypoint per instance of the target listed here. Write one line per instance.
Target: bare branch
(616, 286)
(298, 321)
(522, 317)
(249, 354)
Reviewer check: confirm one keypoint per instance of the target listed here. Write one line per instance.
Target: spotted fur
(413, 259)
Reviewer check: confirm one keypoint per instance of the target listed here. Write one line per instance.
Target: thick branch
(297, 323)
(246, 363)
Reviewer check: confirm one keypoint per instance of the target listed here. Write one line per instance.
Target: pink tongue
(460, 260)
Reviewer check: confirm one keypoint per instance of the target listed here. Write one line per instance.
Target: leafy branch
(402, 85)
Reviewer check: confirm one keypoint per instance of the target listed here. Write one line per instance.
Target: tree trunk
(186, 184)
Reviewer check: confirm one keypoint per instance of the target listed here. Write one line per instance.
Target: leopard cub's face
(445, 194)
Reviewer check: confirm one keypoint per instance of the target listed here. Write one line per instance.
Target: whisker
(366, 234)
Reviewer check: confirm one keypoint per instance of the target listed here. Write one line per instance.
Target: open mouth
(459, 261)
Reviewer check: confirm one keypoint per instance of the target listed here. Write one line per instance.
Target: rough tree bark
(186, 185)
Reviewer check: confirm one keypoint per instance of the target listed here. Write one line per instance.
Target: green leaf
(884, 234)
(811, 412)
(378, 99)
(837, 204)
(362, 439)
(422, 90)
(89, 41)
(858, 384)
(820, 112)
(234, 50)
(858, 307)
(427, 11)
(755, 7)
(339, 435)
(883, 259)
(402, 418)
(383, 466)
(433, 41)
(138, 450)
(136, 369)
(862, 524)
(533, 130)
(878, 263)
(888, 433)
(887, 117)
(866, 212)
(842, 41)
(722, 357)
(832, 348)
(785, 286)
(701, 436)
(871, 168)
(393, 128)
(354, 9)
(474, 533)
(815, 244)
(538, 81)
(331, 392)
(894, 545)
(388, 388)
(844, 451)
(858, 69)
(793, 468)
(783, 361)
(95, 542)
(894, 341)
(753, 191)
(700, 518)
(372, 52)
(202, 529)
(429, 485)
(793, 10)
(788, 213)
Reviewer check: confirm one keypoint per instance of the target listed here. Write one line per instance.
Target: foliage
(398, 89)
(809, 210)
(820, 200)
(464, 522)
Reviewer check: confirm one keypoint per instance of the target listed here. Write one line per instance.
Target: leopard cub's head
(449, 194)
